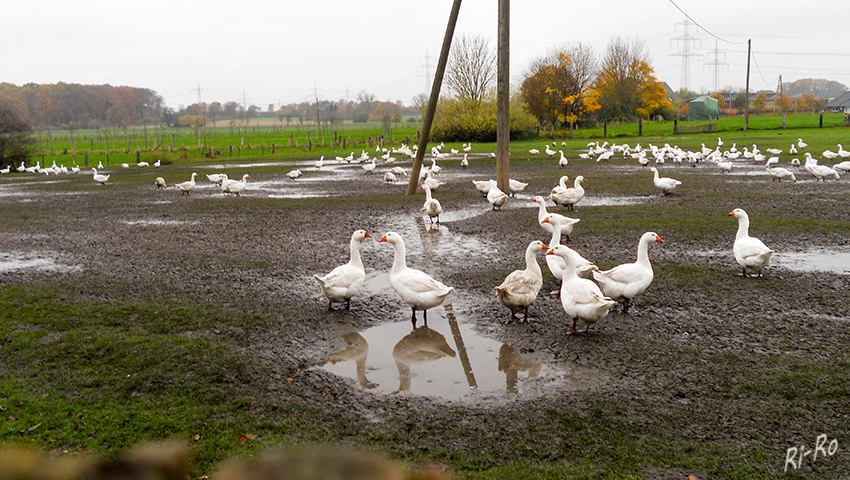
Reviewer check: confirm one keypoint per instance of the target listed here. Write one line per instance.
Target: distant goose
(99, 178)
(159, 182)
(665, 184)
(188, 186)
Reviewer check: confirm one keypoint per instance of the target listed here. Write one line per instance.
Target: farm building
(840, 103)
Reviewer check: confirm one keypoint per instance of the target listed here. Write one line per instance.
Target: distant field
(274, 141)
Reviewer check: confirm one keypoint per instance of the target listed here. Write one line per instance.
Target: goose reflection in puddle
(511, 363)
(356, 348)
(429, 234)
(422, 345)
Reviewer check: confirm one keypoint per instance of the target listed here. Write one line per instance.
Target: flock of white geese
(586, 293)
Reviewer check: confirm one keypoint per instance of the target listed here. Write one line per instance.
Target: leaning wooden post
(432, 101)
(503, 100)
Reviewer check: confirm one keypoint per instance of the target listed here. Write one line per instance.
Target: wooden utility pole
(503, 92)
(781, 104)
(432, 101)
(747, 92)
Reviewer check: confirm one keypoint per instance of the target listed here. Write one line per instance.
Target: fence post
(640, 127)
(820, 123)
(675, 126)
(605, 129)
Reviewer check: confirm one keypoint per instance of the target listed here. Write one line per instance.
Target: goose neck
(743, 227)
(531, 261)
(355, 253)
(399, 261)
(643, 252)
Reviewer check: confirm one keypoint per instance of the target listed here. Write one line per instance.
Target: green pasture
(275, 142)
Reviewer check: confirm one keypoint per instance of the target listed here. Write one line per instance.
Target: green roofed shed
(704, 108)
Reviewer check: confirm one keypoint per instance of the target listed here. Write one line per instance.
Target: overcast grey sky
(285, 51)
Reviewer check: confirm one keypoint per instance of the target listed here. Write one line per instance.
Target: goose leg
(626, 306)
(348, 304)
(330, 306)
(574, 331)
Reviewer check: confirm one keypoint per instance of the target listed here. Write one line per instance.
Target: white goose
(238, 187)
(549, 151)
(432, 206)
(562, 184)
(780, 173)
(569, 196)
(515, 186)
(465, 162)
(160, 183)
(843, 166)
(562, 162)
(496, 197)
(581, 299)
(320, 162)
(623, 282)
(819, 171)
(344, 281)
(801, 143)
(750, 252)
(566, 223)
(418, 289)
(216, 178)
(557, 265)
(483, 186)
(390, 177)
(369, 167)
(432, 182)
(293, 174)
(188, 186)
(520, 288)
(665, 184)
(843, 153)
(98, 177)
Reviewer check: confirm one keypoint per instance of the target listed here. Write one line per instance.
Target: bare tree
(472, 68)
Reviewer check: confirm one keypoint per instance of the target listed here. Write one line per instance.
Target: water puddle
(445, 358)
(603, 201)
(13, 261)
(814, 261)
(145, 223)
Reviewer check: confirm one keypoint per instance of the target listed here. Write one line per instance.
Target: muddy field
(707, 360)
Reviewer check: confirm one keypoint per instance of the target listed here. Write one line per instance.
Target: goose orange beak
(731, 214)
(546, 220)
(546, 247)
(368, 235)
(551, 251)
(383, 239)
(659, 240)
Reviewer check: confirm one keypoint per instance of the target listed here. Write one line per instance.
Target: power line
(703, 28)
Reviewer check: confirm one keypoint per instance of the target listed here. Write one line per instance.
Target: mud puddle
(446, 358)
(815, 261)
(46, 261)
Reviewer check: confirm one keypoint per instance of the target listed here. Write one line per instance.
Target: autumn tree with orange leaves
(626, 84)
(558, 87)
